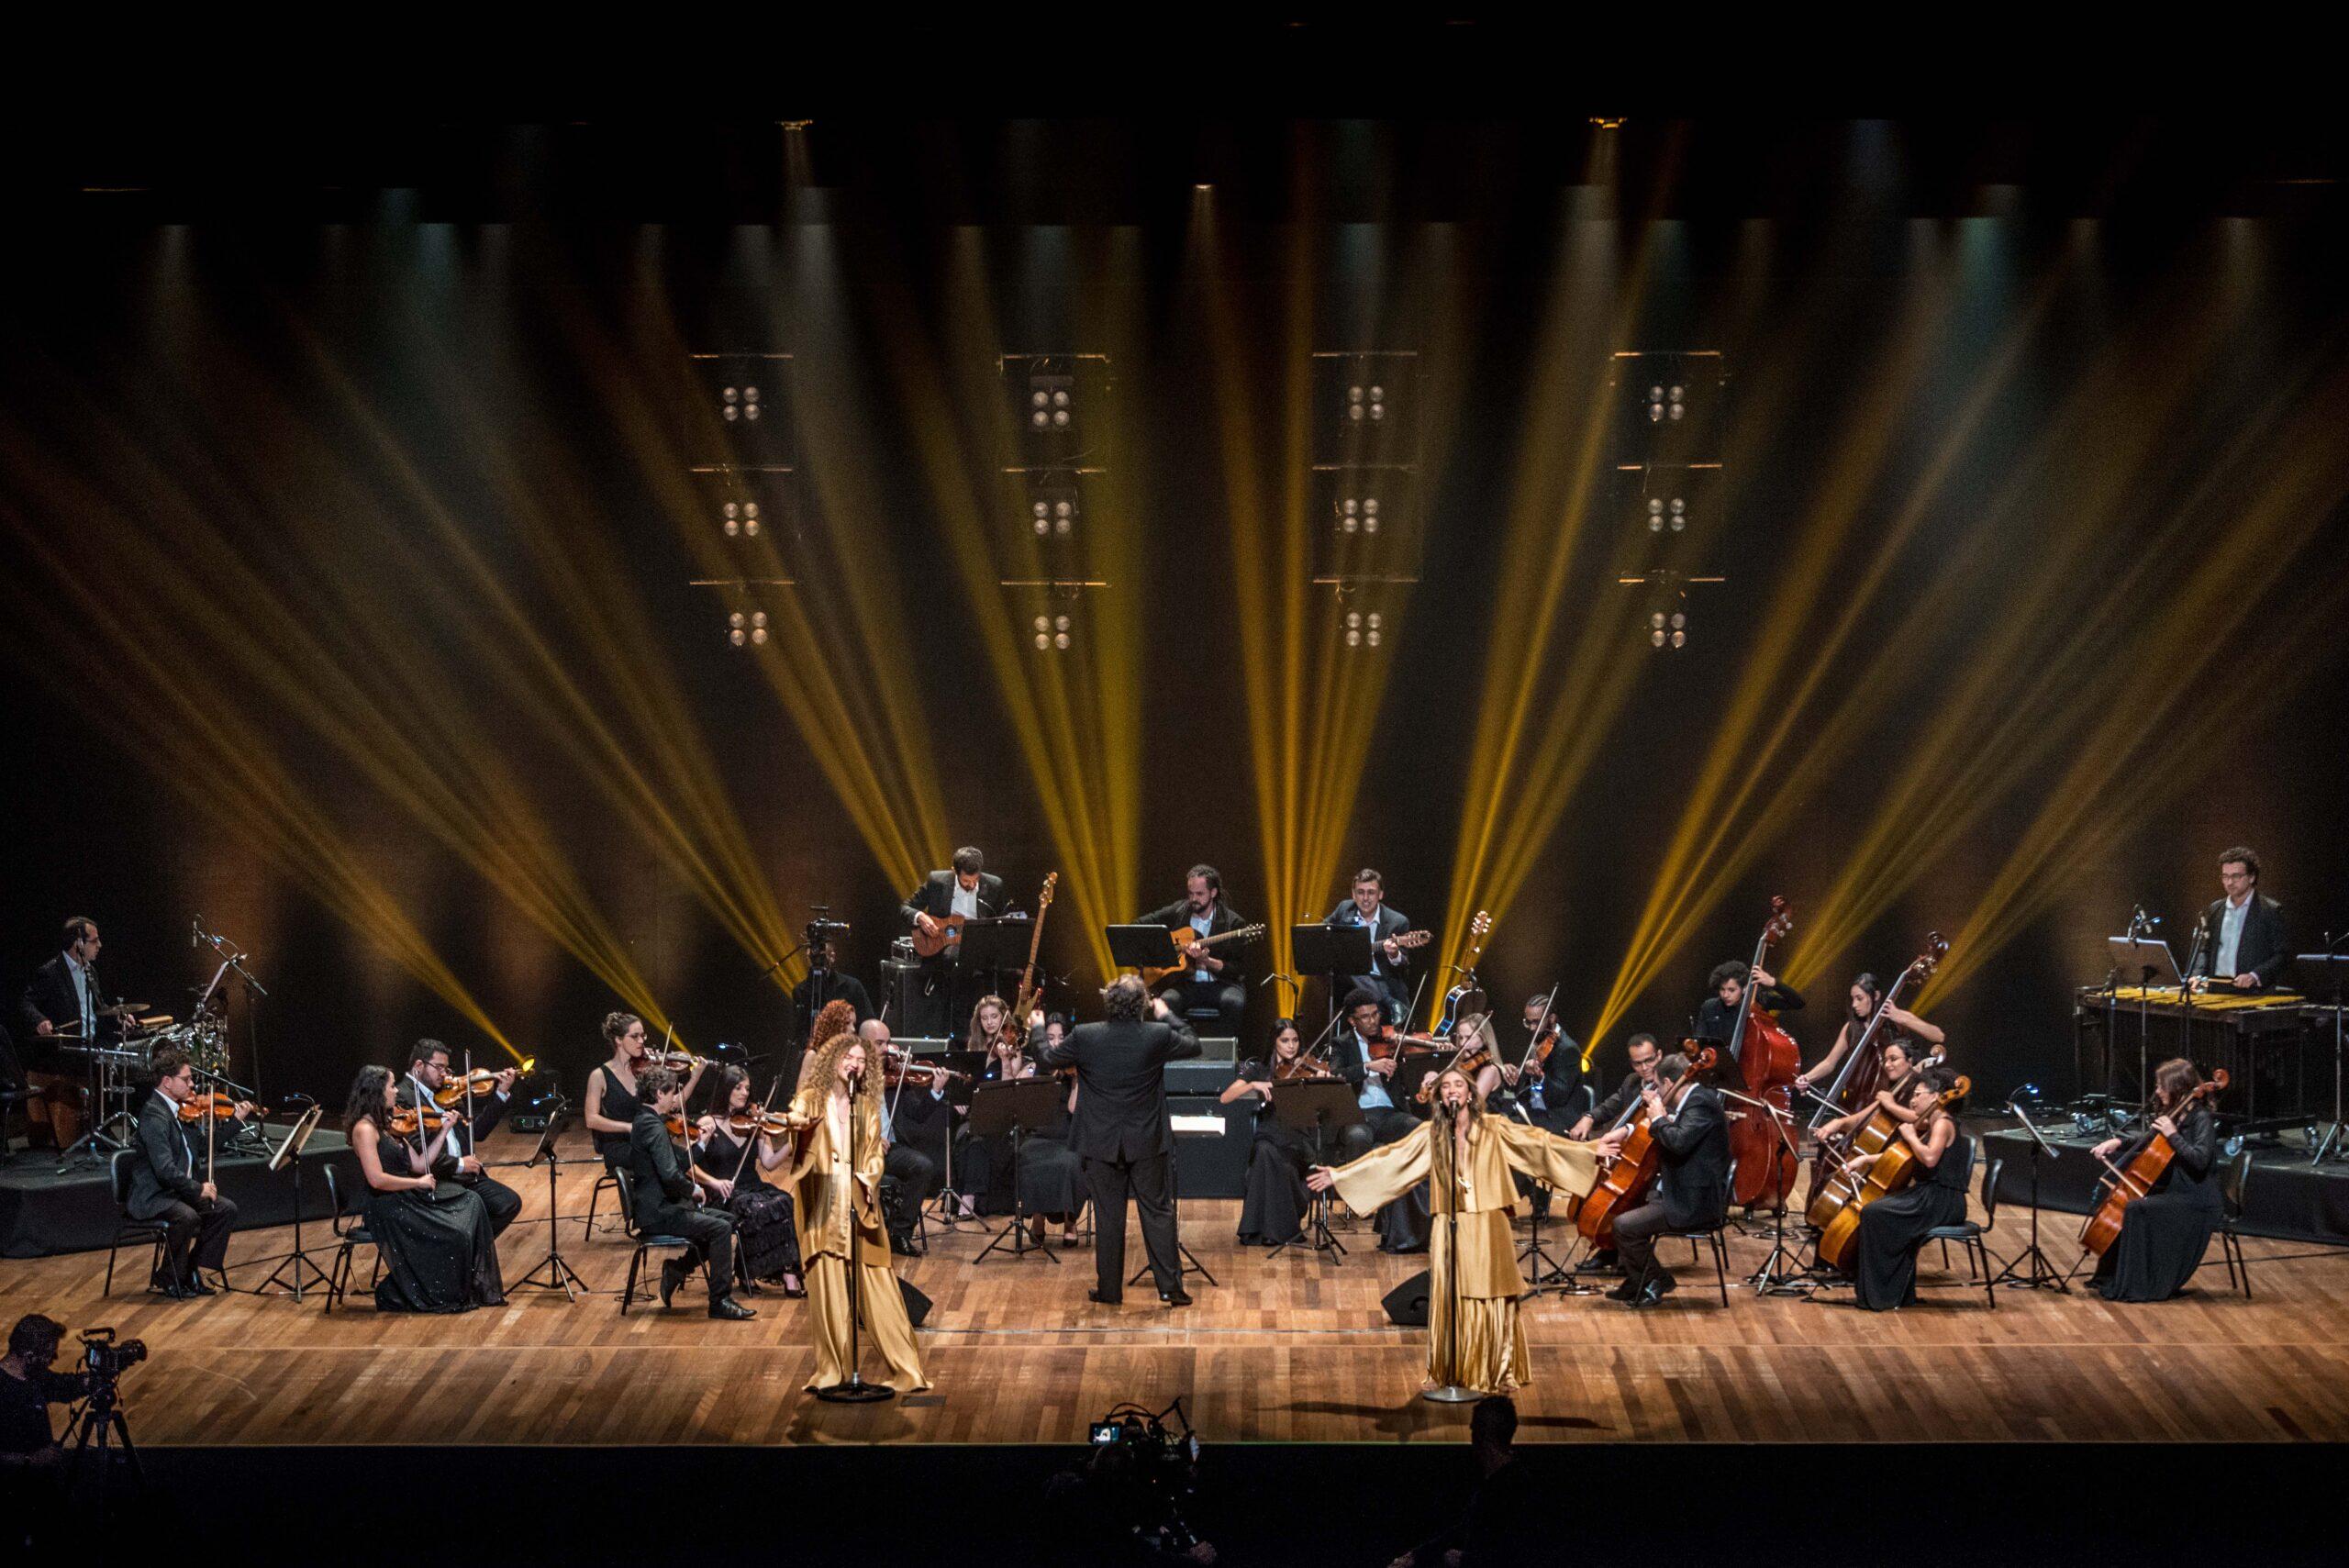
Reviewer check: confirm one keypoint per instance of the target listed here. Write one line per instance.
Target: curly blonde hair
(816, 1096)
(835, 1017)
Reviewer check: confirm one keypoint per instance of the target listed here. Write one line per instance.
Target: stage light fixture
(1052, 402)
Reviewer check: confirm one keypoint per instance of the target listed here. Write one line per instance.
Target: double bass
(1768, 1058)
(1895, 1168)
(1627, 1174)
(1879, 1132)
(2143, 1172)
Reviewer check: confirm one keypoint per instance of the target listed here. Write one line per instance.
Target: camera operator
(825, 980)
(1505, 1522)
(1124, 1503)
(31, 1464)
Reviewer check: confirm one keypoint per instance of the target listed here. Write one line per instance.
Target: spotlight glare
(1656, 637)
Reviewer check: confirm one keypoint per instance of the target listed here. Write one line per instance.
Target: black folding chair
(350, 1233)
(127, 1231)
(1968, 1235)
(2231, 1185)
(645, 1245)
(1712, 1233)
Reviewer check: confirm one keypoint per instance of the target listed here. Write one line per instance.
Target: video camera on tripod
(104, 1358)
(818, 932)
(1156, 1467)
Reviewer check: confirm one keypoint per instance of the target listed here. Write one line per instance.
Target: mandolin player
(1213, 978)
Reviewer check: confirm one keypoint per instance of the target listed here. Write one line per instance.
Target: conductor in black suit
(966, 889)
(1691, 1133)
(1121, 1129)
(167, 1182)
(1214, 978)
(2242, 943)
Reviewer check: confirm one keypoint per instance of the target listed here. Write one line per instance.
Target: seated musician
(1893, 1228)
(766, 1241)
(1691, 1193)
(1614, 1111)
(1718, 1016)
(1899, 1078)
(2164, 1234)
(1403, 1225)
(478, 1116)
(1214, 978)
(168, 1182)
(612, 1097)
(1900, 1026)
(966, 889)
(669, 1189)
(916, 1130)
(63, 1005)
(1390, 977)
(1274, 1209)
(439, 1252)
(1549, 1089)
(1049, 1183)
(2242, 943)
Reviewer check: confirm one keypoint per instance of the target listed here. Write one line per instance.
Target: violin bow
(756, 1134)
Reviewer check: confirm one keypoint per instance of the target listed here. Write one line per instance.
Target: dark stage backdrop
(142, 355)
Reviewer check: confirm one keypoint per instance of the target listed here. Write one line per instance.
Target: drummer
(64, 1006)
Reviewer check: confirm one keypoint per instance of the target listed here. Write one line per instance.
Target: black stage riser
(2283, 1197)
(43, 1213)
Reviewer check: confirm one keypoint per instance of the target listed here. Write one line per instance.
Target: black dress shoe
(730, 1309)
(196, 1286)
(1626, 1291)
(1180, 1298)
(1663, 1285)
(1650, 1295)
(1095, 1296)
(672, 1274)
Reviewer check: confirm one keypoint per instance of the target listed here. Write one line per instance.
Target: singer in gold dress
(839, 1215)
(1467, 1157)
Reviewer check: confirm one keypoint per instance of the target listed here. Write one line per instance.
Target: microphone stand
(853, 1389)
(1781, 1273)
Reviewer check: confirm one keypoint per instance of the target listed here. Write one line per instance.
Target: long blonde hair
(984, 1043)
(815, 1100)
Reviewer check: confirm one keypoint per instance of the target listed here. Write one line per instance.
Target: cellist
(1893, 1228)
(2165, 1233)
(1901, 1065)
(1617, 1109)
(1691, 1133)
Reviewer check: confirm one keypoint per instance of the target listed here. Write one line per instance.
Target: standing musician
(613, 1096)
(1647, 1059)
(427, 1071)
(835, 1181)
(1403, 1224)
(168, 1183)
(1691, 1191)
(1390, 977)
(670, 1189)
(1121, 1132)
(2243, 931)
(1273, 1210)
(1903, 1028)
(1718, 1017)
(1893, 1228)
(1466, 1155)
(439, 1251)
(64, 1004)
(2164, 1234)
(1214, 978)
(967, 888)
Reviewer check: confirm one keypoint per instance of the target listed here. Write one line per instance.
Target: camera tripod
(100, 1424)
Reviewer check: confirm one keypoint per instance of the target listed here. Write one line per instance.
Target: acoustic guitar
(1189, 941)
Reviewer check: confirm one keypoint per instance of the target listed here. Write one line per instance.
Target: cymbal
(119, 1008)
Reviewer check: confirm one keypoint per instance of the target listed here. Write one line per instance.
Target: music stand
(947, 1207)
(560, 1275)
(2040, 1275)
(289, 1153)
(2319, 966)
(990, 947)
(1316, 1106)
(2149, 958)
(1015, 1111)
(1337, 952)
(1143, 947)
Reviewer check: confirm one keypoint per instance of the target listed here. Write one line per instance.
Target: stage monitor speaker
(916, 1304)
(1407, 1304)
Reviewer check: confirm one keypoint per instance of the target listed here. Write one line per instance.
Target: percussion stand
(2336, 1138)
(104, 1085)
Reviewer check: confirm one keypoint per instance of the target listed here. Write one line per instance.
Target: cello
(1634, 1166)
(2142, 1175)
(1767, 1061)
(1895, 1168)
(1862, 1074)
(1879, 1132)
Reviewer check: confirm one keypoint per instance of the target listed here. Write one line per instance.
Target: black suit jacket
(2262, 950)
(1692, 1169)
(1120, 1085)
(1391, 922)
(1716, 1017)
(1224, 919)
(170, 1161)
(656, 1168)
(487, 1111)
(923, 1122)
(50, 996)
(935, 897)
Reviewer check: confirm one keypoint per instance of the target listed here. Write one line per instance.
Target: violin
(767, 1124)
(1304, 1064)
(406, 1121)
(1389, 1041)
(675, 1061)
(1471, 1060)
(480, 1080)
(678, 1127)
(896, 1068)
(217, 1106)
(2143, 1173)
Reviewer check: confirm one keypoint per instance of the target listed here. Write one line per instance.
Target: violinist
(920, 1129)
(1364, 1055)
(1901, 1026)
(1893, 1228)
(1545, 1074)
(1718, 1017)
(169, 1181)
(1050, 1182)
(2164, 1234)
(1901, 1061)
(612, 1097)
(1466, 1156)
(428, 1075)
(670, 1190)
(1273, 1210)
(836, 1184)
(438, 1249)
(1691, 1193)
(766, 1243)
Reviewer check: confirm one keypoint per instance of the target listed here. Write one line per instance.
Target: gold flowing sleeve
(1559, 1164)
(1384, 1173)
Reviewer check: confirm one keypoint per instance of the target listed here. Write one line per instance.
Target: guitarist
(970, 890)
(1390, 976)
(1214, 979)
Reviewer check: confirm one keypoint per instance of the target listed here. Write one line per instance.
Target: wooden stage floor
(1283, 1350)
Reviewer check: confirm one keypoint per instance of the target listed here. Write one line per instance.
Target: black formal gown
(438, 1248)
(767, 1238)
(1051, 1177)
(1892, 1230)
(2165, 1233)
(1273, 1210)
(620, 1105)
